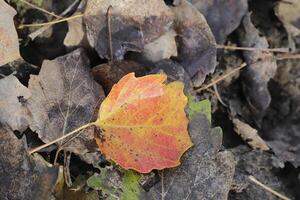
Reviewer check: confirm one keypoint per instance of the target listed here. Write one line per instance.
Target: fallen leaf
(261, 67)
(9, 41)
(223, 17)
(259, 164)
(13, 101)
(64, 97)
(109, 74)
(204, 173)
(174, 72)
(144, 124)
(203, 107)
(290, 16)
(249, 135)
(116, 184)
(162, 48)
(197, 51)
(21, 176)
(134, 23)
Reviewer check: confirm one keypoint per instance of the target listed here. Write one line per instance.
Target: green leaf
(195, 107)
(131, 187)
(115, 184)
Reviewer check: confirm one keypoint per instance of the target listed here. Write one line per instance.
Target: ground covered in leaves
(239, 61)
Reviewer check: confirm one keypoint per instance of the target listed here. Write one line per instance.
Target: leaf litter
(180, 39)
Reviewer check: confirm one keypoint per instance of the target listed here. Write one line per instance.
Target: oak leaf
(144, 123)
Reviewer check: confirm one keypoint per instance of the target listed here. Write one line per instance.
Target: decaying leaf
(204, 173)
(109, 74)
(21, 176)
(175, 72)
(144, 124)
(162, 48)
(64, 97)
(13, 100)
(261, 67)
(290, 16)
(261, 165)
(134, 23)
(9, 42)
(249, 135)
(196, 43)
(222, 16)
(203, 107)
(115, 184)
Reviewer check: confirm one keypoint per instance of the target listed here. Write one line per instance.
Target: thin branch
(52, 22)
(221, 78)
(40, 9)
(254, 180)
(61, 138)
(108, 15)
(286, 56)
(278, 50)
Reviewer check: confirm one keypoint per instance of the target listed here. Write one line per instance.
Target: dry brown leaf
(134, 23)
(261, 67)
(64, 97)
(13, 99)
(249, 135)
(21, 176)
(9, 42)
(162, 48)
(197, 51)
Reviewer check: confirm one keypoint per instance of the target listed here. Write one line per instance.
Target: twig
(287, 56)
(254, 180)
(279, 50)
(50, 23)
(221, 78)
(40, 9)
(108, 14)
(61, 138)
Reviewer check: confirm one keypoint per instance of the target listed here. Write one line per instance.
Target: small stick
(61, 138)
(108, 14)
(287, 56)
(40, 9)
(254, 180)
(52, 22)
(213, 82)
(279, 50)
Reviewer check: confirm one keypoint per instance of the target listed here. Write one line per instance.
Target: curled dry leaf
(249, 135)
(290, 16)
(197, 51)
(13, 100)
(134, 23)
(64, 97)
(144, 123)
(261, 67)
(9, 42)
(21, 176)
(222, 16)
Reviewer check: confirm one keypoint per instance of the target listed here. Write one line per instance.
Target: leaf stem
(61, 138)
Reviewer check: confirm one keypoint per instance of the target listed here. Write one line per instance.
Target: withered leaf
(196, 43)
(290, 16)
(205, 173)
(261, 67)
(9, 42)
(13, 110)
(22, 177)
(222, 16)
(134, 23)
(109, 74)
(64, 97)
(249, 135)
